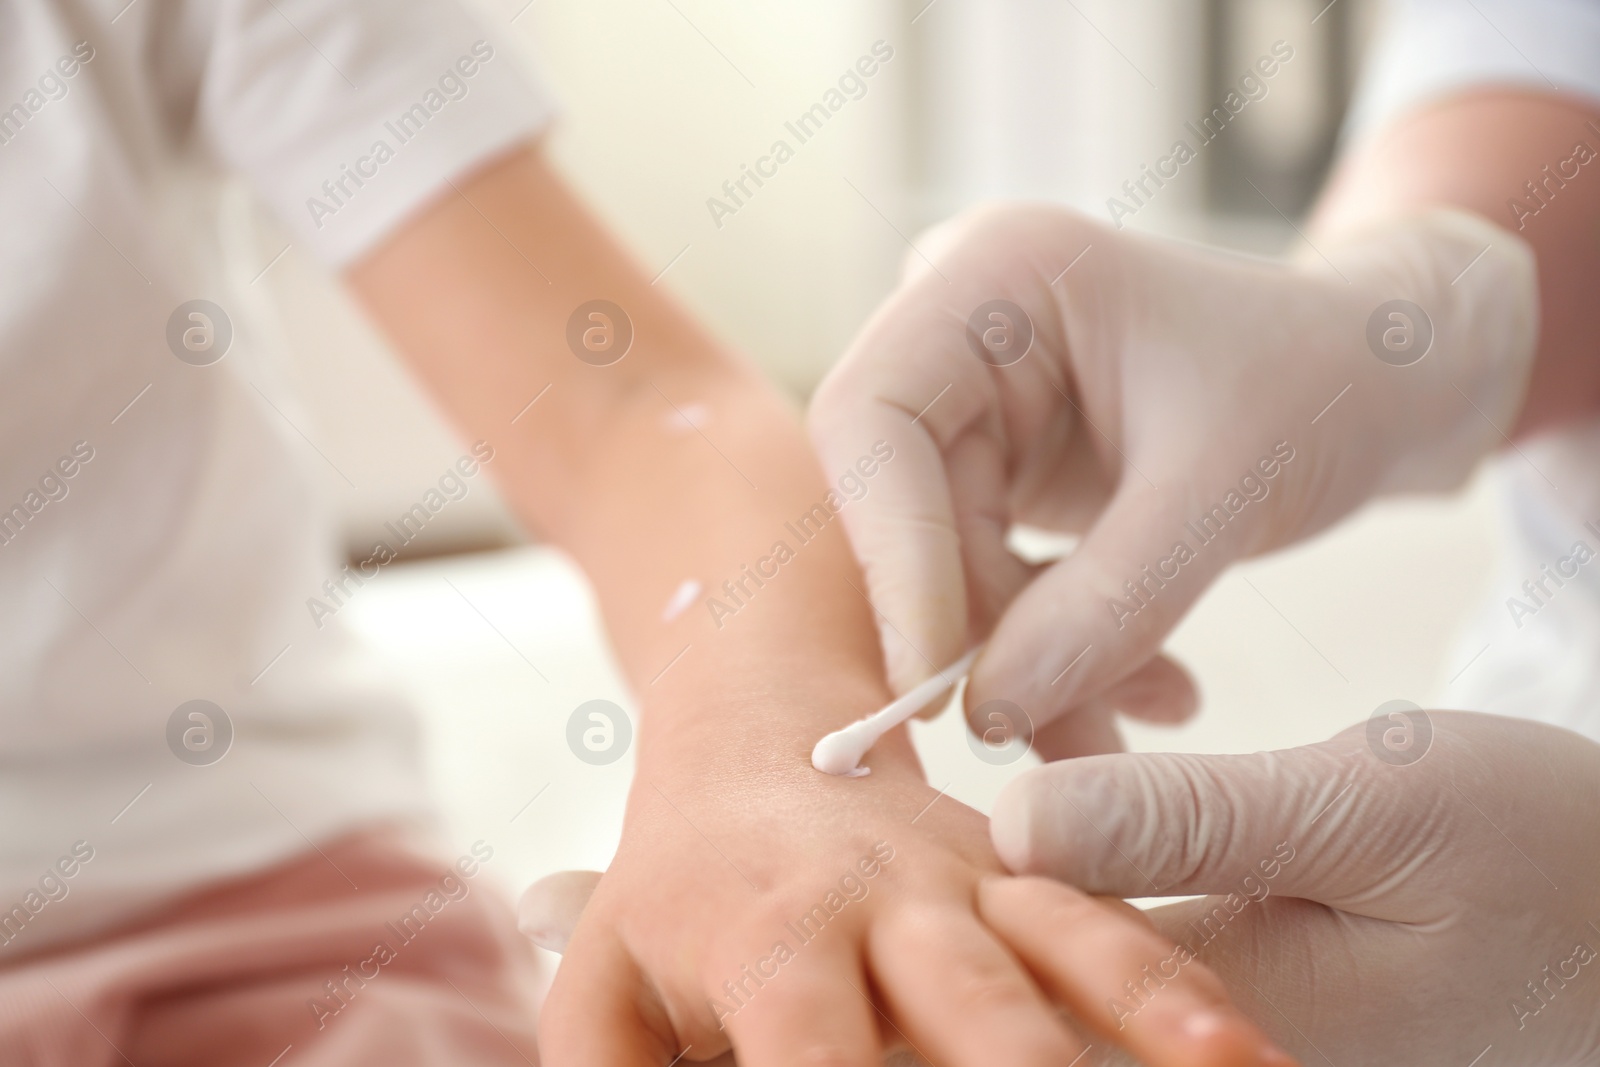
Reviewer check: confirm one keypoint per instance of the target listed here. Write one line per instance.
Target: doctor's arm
(1526, 161)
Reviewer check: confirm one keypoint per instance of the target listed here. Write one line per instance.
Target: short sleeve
(1429, 49)
(347, 116)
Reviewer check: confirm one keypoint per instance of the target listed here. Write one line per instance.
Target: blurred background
(1058, 100)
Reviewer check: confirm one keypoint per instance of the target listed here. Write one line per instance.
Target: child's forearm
(677, 478)
(778, 617)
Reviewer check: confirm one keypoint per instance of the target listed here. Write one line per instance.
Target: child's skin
(729, 832)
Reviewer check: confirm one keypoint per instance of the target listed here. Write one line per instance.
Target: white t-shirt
(160, 526)
(1534, 650)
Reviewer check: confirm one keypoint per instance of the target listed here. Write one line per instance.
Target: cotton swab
(841, 751)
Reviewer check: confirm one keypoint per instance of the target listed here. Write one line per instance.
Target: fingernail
(1205, 1024)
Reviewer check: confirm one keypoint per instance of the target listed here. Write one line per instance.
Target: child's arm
(675, 463)
(678, 464)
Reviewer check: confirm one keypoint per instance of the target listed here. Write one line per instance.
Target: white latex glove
(1415, 891)
(1162, 381)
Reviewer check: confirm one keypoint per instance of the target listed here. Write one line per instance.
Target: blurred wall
(1053, 101)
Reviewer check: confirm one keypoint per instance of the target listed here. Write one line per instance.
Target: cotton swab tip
(841, 752)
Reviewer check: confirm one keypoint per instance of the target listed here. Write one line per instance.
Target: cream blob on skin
(681, 599)
(841, 751)
(688, 417)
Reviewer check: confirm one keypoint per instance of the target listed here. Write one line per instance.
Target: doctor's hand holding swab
(1430, 902)
(1177, 407)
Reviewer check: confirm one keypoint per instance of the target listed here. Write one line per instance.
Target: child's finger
(1121, 979)
(961, 999)
(812, 1010)
(595, 1014)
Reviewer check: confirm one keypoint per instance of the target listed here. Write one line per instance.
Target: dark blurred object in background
(1286, 151)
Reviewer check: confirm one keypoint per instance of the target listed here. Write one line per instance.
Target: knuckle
(828, 1055)
(1058, 905)
(1006, 223)
(829, 396)
(985, 989)
(995, 218)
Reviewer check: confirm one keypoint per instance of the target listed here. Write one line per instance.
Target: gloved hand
(1414, 891)
(1179, 407)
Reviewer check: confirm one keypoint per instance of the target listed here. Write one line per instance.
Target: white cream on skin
(686, 417)
(681, 599)
(841, 751)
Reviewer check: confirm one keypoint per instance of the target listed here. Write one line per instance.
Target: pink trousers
(292, 967)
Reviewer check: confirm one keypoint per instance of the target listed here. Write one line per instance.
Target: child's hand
(815, 920)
